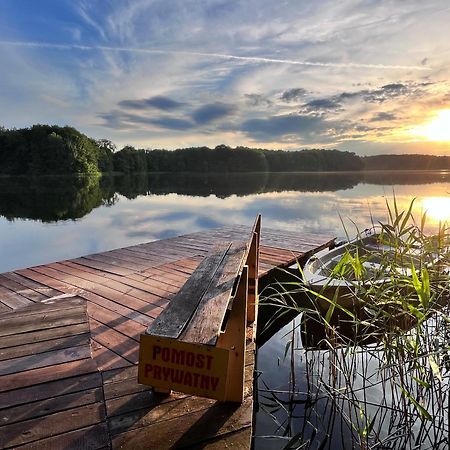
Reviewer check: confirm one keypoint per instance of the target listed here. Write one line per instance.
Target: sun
(438, 130)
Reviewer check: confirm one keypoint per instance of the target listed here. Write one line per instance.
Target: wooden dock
(69, 344)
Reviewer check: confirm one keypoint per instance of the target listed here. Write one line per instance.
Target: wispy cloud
(248, 59)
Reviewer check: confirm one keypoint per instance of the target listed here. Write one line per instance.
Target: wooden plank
(21, 290)
(159, 284)
(117, 342)
(12, 299)
(170, 274)
(135, 253)
(44, 374)
(167, 250)
(105, 359)
(188, 429)
(206, 322)
(119, 305)
(139, 259)
(124, 284)
(140, 403)
(52, 388)
(126, 387)
(89, 438)
(171, 321)
(183, 267)
(28, 431)
(114, 259)
(103, 290)
(113, 320)
(107, 268)
(239, 440)
(39, 308)
(137, 411)
(46, 346)
(46, 359)
(4, 308)
(38, 287)
(157, 287)
(51, 334)
(119, 375)
(44, 320)
(51, 405)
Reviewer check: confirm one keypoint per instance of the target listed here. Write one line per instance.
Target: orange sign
(189, 368)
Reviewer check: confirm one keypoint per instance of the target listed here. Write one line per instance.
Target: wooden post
(233, 339)
(253, 267)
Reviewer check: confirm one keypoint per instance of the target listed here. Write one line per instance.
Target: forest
(49, 150)
(53, 150)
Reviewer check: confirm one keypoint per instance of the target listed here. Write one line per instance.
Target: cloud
(292, 95)
(321, 106)
(123, 120)
(212, 112)
(158, 102)
(387, 92)
(172, 123)
(383, 116)
(143, 114)
(282, 126)
(257, 100)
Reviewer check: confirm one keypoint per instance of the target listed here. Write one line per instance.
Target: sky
(368, 76)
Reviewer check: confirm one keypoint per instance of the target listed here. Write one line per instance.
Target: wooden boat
(349, 268)
(343, 278)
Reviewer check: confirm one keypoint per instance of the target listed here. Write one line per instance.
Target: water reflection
(437, 208)
(52, 199)
(291, 414)
(49, 219)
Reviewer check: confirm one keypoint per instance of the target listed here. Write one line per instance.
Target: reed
(382, 365)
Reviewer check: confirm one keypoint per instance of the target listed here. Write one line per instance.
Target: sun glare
(437, 208)
(438, 130)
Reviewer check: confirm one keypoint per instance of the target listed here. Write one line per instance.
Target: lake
(49, 219)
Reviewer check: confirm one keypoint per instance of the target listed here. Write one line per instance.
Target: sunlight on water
(437, 208)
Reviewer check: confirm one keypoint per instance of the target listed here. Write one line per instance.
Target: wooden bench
(197, 344)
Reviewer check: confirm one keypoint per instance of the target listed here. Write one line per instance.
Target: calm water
(50, 219)
(44, 220)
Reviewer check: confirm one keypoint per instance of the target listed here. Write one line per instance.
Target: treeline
(48, 150)
(406, 162)
(239, 159)
(45, 150)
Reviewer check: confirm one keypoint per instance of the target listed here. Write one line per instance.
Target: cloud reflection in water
(169, 211)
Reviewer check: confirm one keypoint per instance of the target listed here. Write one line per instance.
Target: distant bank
(46, 149)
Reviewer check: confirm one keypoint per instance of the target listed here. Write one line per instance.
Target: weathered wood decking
(56, 392)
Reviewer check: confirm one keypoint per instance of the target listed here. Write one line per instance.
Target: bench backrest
(197, 311)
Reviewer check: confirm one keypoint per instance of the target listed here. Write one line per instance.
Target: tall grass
(381, 361)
